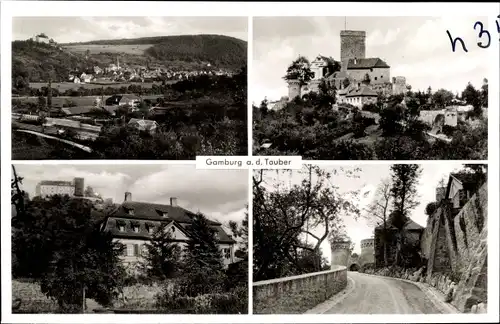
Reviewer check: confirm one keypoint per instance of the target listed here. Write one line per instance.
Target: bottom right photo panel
(371, 239)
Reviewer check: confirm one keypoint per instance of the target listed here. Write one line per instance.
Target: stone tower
(398, 85)
(294, 89)
(367, 252)
(341, 252)
(352, 45)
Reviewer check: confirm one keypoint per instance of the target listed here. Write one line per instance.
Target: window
(227, 253)
(136, 250)
(381, 76)
(144, 250)
(121, 228)
(131, 212)
(371, 70)
(151, 229)
(130, 250)
(135, 228)
(375, 78)
(165, 214)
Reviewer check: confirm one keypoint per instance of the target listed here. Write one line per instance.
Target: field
(118, 49)
(63, 86)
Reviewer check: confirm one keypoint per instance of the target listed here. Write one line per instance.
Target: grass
(136, 49)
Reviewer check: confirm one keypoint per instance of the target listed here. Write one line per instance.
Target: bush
(371, 108)
(448, 130)
(345, 150)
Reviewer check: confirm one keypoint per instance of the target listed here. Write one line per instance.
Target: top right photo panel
(371, 88)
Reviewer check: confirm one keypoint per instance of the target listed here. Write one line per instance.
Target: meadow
(136, 49)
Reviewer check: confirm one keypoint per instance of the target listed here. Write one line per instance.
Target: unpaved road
(382, 295)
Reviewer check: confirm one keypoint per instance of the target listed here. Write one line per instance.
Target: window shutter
(136, 249)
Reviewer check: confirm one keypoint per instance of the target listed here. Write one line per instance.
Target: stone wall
(456, 250)
(297, 294)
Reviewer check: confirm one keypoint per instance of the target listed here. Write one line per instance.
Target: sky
(415, 47)
(82, 29)
(365, 183)
(221, 195)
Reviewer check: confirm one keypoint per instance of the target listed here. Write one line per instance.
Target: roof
(78, 110)
(410, 226)
(366, 63)
(338, 75)
(364, 91)
(150, 211)
(55, 183)
(148, 214)
(468, 180)
(129, 97)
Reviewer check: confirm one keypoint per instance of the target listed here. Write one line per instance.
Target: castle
(341, 255)
(359, 79)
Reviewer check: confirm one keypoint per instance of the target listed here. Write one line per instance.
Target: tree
(473, 97)
(58, 243)
(484, 93)
(405, 178)
(378, 211)
(346, 82)
(89, 192)
(300, 70)
(283, 218)
(162, 255)
(431, 208)
(202, 261)
(442, 98)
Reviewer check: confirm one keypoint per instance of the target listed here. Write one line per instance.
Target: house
(144, 125)
(378, 71)
(76, 80)
(413, 233)
(97, 70)
(122, 100)
(132, 223)
(359, 96)
(86, 77)
(460, 188)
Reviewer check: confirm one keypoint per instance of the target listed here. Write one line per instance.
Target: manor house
(359, 78)
(132, 223)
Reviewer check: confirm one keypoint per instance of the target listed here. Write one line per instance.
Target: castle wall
(352, 44)
(377, 75)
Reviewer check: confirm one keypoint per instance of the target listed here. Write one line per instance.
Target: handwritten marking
(482, 32)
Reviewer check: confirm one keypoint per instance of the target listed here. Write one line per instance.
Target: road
(382, 295)
(80, 146)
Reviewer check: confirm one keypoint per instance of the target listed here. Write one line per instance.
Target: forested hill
(219, 50)
(34, 61)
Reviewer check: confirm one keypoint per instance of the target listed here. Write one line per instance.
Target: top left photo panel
(129, 88)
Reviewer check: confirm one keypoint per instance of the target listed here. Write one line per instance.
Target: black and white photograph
(371, 239)
(154, 88)
(129, 239)
(371, 88)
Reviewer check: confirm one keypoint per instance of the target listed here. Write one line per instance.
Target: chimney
(128, 196)
(173, 201)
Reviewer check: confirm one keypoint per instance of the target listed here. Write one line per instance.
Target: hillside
(221, 51)
(33, 61)
(36, 62)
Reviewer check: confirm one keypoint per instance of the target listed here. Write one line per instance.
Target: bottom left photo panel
(102, 238)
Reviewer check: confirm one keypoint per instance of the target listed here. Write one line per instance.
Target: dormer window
(131, 212)
(135, 229)
(165, 214)
(151, 229)
(121, 228)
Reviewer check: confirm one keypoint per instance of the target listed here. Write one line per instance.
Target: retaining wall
(297, 294)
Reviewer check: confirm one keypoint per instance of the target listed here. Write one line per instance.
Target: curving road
(381, 295)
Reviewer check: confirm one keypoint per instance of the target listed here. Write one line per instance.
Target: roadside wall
(297, 294)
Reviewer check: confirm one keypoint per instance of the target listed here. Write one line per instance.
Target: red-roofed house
(133, 222)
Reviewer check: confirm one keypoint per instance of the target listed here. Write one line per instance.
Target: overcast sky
(415, 47)
(220, 194)
(81, 29)
(366, 184)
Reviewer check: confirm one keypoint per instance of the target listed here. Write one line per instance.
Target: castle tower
(352, 45)
(367, 251)
(294, 89)
(79, 186)
(341, 252)
(398, 85)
